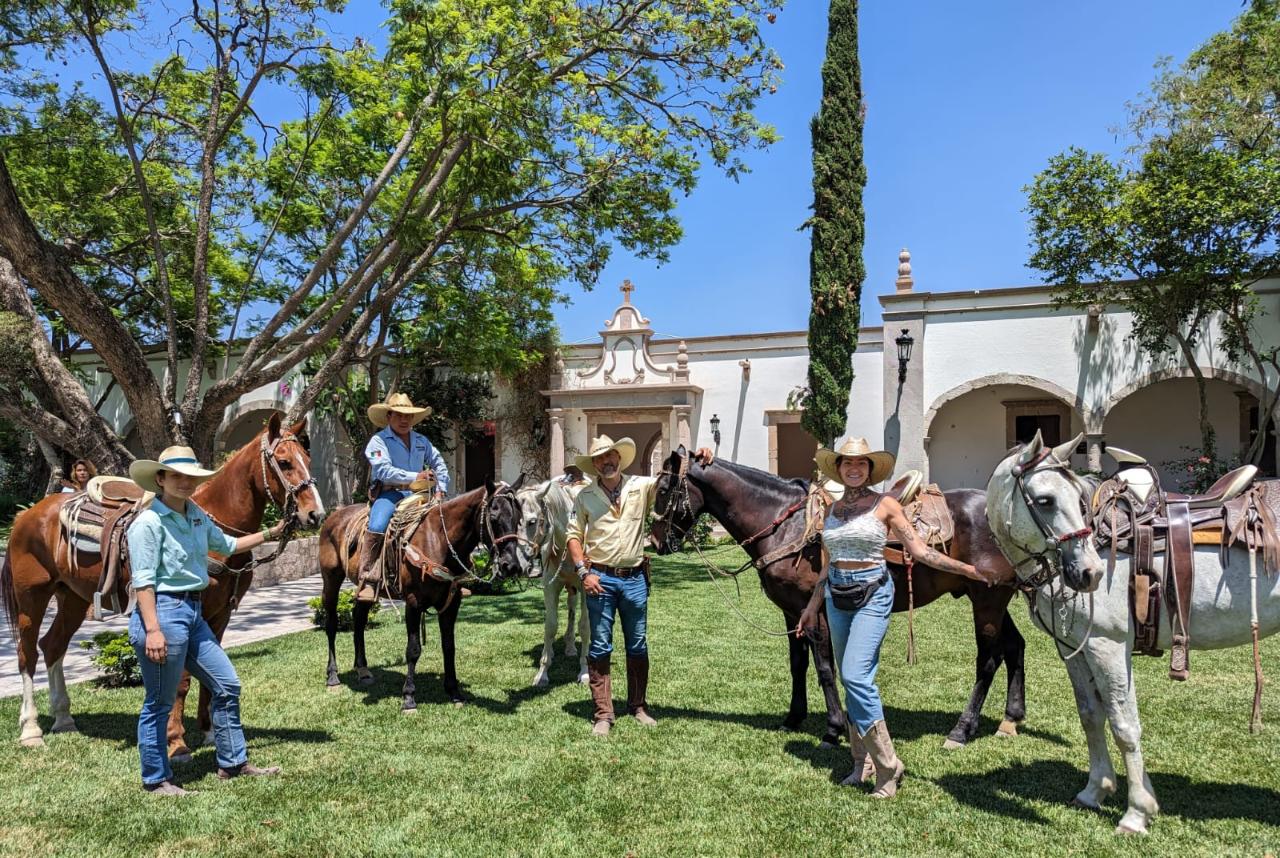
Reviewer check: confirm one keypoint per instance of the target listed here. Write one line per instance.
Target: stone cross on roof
(626, 289)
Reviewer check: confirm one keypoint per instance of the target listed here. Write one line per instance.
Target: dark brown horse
(431, 570)
(274, 465)
(747, 501)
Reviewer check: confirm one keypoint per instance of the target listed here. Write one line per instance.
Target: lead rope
(1255, 718)
(911, 610)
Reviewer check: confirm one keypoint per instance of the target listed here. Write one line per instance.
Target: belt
(848, 565)
(617, 571)
(183, 596)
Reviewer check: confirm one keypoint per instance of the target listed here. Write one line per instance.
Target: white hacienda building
(986, 369)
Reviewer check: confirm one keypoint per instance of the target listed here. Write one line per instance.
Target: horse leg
(71, 613)
(824, 665)
(1102, 776)
(987, 625)
(412, 651)
(798, 652)
(177, 731)
(550, 622)
(448, 620)
(359, 622)
(329, 599)
(1111, 662)
(30, 612)
(570, 646)
(579, 595)
(1015, 701)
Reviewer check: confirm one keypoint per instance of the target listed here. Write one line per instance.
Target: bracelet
(266, 534)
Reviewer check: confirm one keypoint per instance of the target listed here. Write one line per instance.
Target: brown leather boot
(370, 576)
(863, 768)
(637, 686)
(889, 769)
(598, 673)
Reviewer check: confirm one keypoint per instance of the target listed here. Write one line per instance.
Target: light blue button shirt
(391, 461)
(169, 550)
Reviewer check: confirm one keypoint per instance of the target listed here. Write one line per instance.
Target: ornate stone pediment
(624, 354)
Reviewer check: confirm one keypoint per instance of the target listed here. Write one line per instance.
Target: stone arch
(1156, 376)
(1054, 390)
(239, 415)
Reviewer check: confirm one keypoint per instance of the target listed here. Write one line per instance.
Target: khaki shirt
(613, 536)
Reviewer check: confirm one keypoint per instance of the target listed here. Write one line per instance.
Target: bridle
(487, 535)
(677, 500)
(291, 490)
(1047, 569)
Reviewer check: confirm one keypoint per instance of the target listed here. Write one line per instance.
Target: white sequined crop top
(860, 539)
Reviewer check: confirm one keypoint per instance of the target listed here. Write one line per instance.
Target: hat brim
(626, 455)
(882, 463)
(143, 472)
(379, 414)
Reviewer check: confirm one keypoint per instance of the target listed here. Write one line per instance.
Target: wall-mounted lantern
(715, 429)
(904, 342)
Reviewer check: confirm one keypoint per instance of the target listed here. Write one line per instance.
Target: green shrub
(346, 604)
(700, 534)
(115, 657)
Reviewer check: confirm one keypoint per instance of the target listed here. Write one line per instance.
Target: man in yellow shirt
(609, 520)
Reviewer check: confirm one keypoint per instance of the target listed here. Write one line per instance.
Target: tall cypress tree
(835, 255)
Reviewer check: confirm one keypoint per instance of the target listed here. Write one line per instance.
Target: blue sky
(965, 104)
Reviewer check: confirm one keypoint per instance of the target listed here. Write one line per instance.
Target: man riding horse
(400, 461)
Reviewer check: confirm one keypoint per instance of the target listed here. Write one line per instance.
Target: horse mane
(759, 479)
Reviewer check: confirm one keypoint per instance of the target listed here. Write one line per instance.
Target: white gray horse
(1036, 507)
(545, 511)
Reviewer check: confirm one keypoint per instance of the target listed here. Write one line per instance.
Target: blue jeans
(382, 509)
(191, 644)
(626, 596)
(856, 637)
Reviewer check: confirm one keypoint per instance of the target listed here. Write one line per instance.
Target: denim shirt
(390, 461)
(169, 550)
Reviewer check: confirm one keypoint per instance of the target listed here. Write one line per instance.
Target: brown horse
(747, 502)
(274, 465)
(430, 571)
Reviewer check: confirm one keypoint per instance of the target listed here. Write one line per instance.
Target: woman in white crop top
(858, 592)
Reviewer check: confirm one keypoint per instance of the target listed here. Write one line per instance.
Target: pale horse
(545, 511)
(1036, 507)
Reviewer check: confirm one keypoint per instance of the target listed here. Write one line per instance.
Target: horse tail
(9, 593)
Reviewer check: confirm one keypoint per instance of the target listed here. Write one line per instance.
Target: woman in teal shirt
(169, 545)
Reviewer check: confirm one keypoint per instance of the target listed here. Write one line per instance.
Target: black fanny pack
(852, 597)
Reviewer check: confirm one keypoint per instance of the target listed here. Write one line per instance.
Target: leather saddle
(95, 523)
(925, 506)
(1133, 514)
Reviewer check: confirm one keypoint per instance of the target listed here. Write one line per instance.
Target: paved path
(264, 613)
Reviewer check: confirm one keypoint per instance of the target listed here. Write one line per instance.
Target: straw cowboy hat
(180, 460)
(599, 446)
(855, 448)
(400, 403)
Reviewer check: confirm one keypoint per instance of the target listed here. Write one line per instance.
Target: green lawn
(515, 772)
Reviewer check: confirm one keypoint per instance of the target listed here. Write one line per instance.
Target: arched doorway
(972, 428)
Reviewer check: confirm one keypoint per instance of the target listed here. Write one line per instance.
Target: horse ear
(488, 486)
(299, 428)
(1032, 449)
(681, 451)
(515, 487)
(273, 426)
(1063, 452)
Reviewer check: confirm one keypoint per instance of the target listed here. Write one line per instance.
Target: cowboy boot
(637, 685)
(863, 768)
(889, 769)
(370, 576)
(601, 695)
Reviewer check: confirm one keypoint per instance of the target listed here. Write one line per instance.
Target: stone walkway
(265, 613)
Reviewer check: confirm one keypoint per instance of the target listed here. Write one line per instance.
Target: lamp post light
(715, 429)
(904, 342)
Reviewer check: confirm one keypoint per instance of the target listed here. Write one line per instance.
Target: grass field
(515, 772)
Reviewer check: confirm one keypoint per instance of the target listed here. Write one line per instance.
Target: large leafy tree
(489, 148)
(1180, 236)
(837, 228)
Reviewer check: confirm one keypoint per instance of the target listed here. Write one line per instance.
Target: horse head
(1039, 515)
(536, 529)
(677, 503)
(503, 526)
(286, 471)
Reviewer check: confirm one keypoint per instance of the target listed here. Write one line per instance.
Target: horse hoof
(366, 681)
(181, 758)
(32, 742)
(1079, 804)
(409, 711)
(826, 745)
(1126, 830)
(1007, 729)
(68, 726)
(541, 681)
(952, 745)
(334, 688)
(584, 679)
(786, 728)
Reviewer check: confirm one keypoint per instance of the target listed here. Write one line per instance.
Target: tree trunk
(1208, 442)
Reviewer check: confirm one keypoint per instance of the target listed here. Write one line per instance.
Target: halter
(1047, 570)
(486, 532)
(291, 490)
(678, 500)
